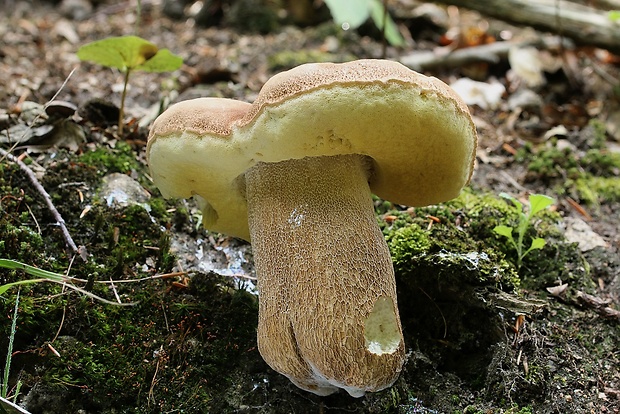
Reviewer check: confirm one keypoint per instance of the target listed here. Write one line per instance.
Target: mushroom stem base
(328, 315)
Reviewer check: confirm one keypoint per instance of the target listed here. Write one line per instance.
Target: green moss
(553, 162)
(22, 242)
(515, 409)
(598, 132)
(106, 160)
(22, 237)
(601, 163)
(594, 190)
(407, 242)
(444, 267)
(590, 175)
(170, 350)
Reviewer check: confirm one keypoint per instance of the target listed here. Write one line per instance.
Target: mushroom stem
(328, 315)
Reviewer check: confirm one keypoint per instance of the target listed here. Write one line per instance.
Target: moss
(594, 190)
(589, 174)
(515, 409)
(106, 160)
(451, 276)
(407, 242)
(552, 163)
(458, 287)
(596, 134)
(168, 351)
(602, 163)
(19, 228)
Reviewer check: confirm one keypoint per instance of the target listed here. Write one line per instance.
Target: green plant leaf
(128, 53)
(353, 12)
(163, 61)
(503, 231)
(11, 407)
(392, 34)
(123, 52)
(539, 202)
(537, 243)
(356, 12)
(31, 270)
(613, 15)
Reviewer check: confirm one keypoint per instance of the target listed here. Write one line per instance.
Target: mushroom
(293, 173)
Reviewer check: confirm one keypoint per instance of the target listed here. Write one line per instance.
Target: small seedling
(537, 202)
(129, 53)
(353, 13)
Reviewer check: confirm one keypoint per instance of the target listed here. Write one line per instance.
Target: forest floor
(483, 335)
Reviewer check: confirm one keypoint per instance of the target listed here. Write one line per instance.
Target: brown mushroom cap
(416, 130)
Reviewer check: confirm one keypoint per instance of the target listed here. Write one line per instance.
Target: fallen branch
(585, 25)
(489, 53)
(48, 200)
(598, 305)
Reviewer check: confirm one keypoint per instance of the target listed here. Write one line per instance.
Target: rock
(120, 190)
(578, 231)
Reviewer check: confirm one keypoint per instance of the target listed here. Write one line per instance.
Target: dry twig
(489, 53)
(598, 305)
(48, 200)
(584, 24)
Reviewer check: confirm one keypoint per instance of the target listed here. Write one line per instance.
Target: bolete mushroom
(293, 173)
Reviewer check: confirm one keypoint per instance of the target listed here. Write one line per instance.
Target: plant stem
(121, 113)
(138, 17)
(9, 354)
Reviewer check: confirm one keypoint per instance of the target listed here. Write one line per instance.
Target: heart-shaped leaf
(128, 53)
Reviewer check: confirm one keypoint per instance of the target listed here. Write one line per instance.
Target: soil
(483, 334)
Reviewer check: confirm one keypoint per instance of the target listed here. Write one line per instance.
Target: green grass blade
(46, 276)
(31, 270)
(9, 353)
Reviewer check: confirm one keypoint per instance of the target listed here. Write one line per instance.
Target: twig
(512, 181)
(588, 26)
(598, 305)
(36, 222)
(118, 281)
(490, 53)
(48, 200)
(118, 298)
(445, 324)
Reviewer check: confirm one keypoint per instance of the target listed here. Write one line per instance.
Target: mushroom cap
(417, 131)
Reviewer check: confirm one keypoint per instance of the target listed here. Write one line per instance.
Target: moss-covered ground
(483, 335)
